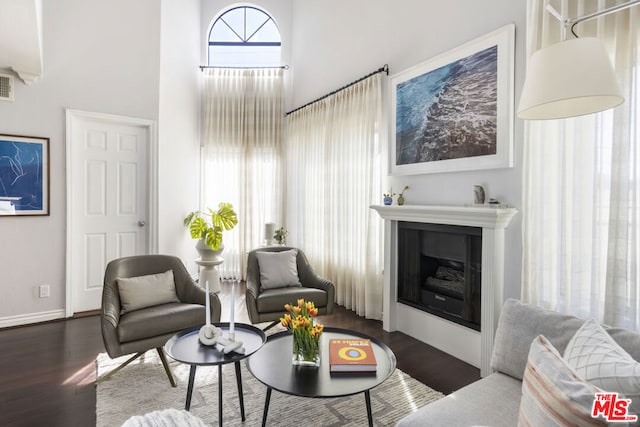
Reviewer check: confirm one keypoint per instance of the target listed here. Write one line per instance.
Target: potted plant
(280, 235)
(208, 226)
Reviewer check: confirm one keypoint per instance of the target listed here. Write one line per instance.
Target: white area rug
(143, 387)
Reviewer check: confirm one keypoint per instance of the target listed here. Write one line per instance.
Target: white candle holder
(209, 334)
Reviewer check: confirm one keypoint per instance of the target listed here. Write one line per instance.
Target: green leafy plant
(280, 235)
(223, 219)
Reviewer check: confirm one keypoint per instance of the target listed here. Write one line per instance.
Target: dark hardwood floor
(47, 371)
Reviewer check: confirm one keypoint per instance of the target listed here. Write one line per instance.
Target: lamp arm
(572, 22)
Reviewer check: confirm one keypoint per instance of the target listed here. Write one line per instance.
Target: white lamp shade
(568, 79)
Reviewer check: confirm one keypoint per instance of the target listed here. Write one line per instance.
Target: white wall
(336, 42)
(96, 58)
(179, 126)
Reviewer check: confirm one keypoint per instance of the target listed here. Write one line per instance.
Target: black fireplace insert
(439, 270)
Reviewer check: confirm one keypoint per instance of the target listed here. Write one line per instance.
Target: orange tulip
(313, 312)
(287, 307)
(300, 303)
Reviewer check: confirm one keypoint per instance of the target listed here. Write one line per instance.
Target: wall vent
(6, 87)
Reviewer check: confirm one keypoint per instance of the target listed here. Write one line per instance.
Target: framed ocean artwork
(24, 175)
(454, 112)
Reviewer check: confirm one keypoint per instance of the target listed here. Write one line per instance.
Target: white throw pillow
(146, 291)
(552, 393)
(597, 358)
(278, 269)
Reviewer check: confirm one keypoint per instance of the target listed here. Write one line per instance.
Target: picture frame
(24, 175)
(455, 112)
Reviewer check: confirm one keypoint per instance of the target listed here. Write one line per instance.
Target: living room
(140, 59)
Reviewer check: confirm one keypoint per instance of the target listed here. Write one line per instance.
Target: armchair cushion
(159, 320)
(146, 291)
(273, 300)
(278, 269)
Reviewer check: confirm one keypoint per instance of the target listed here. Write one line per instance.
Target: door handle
(141, 223)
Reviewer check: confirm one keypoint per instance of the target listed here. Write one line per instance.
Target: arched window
(244, 36)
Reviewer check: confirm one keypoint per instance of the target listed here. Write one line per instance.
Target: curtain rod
(383, 69)
(202, 67)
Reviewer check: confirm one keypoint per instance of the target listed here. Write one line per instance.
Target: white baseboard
(25, 319)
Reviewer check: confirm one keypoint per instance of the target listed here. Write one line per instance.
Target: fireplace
(439, 270)
(451, 325)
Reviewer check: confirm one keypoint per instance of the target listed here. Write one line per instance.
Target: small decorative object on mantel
(401, 195)
(478, 195)
(280, 235)
(306, 333)
(388, 197)
(492, 203)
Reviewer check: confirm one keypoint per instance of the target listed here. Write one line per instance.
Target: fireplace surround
(466, 343)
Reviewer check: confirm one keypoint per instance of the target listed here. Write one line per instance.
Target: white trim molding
(25, 319)
(466, 344)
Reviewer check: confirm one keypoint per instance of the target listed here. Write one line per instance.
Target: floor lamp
(571, 78)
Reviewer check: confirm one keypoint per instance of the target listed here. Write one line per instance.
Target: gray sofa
(495, 399)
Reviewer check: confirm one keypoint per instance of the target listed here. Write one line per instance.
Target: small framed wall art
(24, 175)
(454, 112)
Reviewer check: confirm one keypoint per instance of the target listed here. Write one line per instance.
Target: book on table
(351, 355)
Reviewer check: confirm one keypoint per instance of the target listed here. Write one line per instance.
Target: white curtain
(243, 120)
(581, 198)
(333, 176)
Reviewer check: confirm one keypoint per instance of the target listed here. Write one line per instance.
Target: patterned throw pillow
(552, 393)
(597, 358)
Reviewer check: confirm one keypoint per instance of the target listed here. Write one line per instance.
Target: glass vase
(306, 351)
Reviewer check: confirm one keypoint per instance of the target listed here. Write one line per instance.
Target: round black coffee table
(186, 348)
(271, 365)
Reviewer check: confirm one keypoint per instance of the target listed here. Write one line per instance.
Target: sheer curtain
(242, 155)
(333, 175)
(581, 196)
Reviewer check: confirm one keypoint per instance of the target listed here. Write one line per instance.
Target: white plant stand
(209, 272)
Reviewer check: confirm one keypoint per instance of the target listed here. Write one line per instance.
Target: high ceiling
(21, 38)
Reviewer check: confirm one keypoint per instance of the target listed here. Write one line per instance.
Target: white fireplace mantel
(452, 215)
(471, 346)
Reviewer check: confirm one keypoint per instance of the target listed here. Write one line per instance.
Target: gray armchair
(267, 305)
(151, 327)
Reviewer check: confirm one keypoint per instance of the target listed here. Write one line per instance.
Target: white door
(107, 206)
